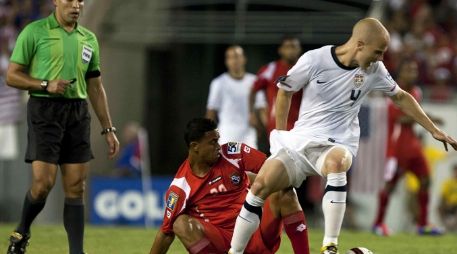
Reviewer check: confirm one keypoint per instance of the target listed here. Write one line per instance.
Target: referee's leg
(74, 180)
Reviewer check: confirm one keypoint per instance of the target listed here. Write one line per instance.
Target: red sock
(382, 207)
(204, 246)
(297, 231)
(423, 206)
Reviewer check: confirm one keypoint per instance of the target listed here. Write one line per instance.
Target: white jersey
(230, 98)
(332, 96)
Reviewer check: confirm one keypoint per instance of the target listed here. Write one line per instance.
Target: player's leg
(199, 237)
(391, 175)
(419, 167)
(334, 164)
(284, 204)
(74, 178)
(272, 177)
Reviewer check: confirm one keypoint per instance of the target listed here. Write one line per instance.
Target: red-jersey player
(208, 191)
(267, 78)
(404, 152)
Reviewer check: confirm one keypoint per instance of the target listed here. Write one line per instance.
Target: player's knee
(338, 160)
(181, 225)
(260, 189)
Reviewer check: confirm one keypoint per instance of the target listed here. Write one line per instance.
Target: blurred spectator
(448, 202)
(425, 30)
(228, 100)
(129, 162)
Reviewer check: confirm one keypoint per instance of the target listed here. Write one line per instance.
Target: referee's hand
(57, 86)
(113, 144)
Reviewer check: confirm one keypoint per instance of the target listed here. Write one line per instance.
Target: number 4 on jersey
(355, 94)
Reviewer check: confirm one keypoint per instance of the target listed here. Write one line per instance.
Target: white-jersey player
(228, 100)
(334, 80)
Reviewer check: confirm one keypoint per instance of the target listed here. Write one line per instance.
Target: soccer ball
(359, 250)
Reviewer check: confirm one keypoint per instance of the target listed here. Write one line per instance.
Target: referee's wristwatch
(108, 130)
(44, 84)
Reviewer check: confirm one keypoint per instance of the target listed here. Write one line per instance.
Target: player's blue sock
(334, 206)
(73, 220)
(247, 223)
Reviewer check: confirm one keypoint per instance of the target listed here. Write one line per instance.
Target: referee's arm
(97, 97)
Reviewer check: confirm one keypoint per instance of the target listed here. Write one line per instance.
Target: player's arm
(411, 108)
(162, 242)
(282, 107)
(97, 96)
(17, 77)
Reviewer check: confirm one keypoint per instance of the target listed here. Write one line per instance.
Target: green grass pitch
(51, 239)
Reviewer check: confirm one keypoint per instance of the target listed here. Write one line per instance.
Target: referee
(58, 62)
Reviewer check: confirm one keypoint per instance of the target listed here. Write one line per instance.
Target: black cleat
(18, 243)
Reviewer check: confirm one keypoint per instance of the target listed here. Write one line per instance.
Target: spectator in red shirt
(208, 191)
(267, 78)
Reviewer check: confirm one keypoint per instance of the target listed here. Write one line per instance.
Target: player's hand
(446, 139)
(113, 144)
(57, 86)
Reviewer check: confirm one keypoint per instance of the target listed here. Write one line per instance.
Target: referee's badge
(358, 80)
(86, 54)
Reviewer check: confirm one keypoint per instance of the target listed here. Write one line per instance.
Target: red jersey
(402, 141)
(267, 78)
(218, 196)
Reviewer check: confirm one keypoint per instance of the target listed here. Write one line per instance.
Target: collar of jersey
(337, 61)
(52, 21)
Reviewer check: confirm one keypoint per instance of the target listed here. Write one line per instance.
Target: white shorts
(302, 160)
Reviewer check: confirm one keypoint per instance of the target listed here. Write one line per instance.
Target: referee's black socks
(30, 209)
(73, 220)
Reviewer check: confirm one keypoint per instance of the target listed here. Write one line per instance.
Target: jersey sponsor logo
(168, 214)
(215, 180)
(172, 200)
(247, 149)
(86, 54)
(236, 178)
(358, 80)
(233, 148)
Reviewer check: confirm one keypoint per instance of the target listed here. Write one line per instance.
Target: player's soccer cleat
(329, 249)
(429, 230)
(381, 230)
(18, 243)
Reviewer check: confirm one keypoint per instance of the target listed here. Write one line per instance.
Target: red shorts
(266, 239)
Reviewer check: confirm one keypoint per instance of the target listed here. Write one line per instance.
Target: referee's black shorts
(58, 131)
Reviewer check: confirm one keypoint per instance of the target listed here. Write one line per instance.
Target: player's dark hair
(288, 37)
(196, 129)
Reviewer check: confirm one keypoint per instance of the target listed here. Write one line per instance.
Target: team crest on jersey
(233, 148)
(172, 201)
(236, 178)
(358, 80)
(86, 54)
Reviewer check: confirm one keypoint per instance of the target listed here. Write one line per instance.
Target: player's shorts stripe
(335, 188)
(253, 209)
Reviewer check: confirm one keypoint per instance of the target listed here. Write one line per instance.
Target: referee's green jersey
(51, 53)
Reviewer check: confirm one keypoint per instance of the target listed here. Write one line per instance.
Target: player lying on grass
(208, 191)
